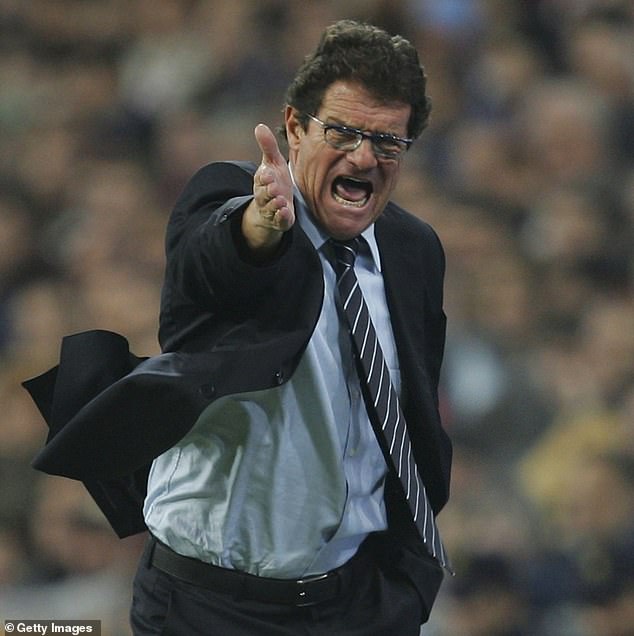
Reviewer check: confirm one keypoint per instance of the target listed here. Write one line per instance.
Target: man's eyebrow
(338, 122)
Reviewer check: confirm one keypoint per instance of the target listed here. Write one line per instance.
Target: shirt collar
(319, 237)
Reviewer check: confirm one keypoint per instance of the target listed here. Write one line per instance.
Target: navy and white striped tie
(389, 424)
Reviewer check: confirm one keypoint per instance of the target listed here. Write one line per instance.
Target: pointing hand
(271, 212)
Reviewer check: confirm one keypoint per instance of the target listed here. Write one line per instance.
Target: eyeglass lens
(346, 139)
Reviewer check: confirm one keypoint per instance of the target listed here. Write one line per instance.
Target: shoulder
(215, 182)
(399, 230)
(210, 187)
(235, 172)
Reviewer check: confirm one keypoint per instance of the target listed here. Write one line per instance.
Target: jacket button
(207, 390)
(279, 377)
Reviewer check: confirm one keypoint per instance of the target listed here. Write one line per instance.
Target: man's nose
(362, 157)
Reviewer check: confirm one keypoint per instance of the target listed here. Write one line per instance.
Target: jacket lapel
(406, 296)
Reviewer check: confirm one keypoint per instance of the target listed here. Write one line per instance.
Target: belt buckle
(303, 595)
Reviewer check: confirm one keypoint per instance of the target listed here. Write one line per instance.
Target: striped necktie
(382, 399)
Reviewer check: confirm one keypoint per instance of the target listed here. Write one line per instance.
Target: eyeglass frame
(361, 135)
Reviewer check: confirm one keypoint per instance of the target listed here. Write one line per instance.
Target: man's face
(346, 191)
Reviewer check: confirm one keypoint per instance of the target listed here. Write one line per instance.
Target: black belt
(301, 592)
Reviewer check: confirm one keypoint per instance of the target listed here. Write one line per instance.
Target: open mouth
(352, 192)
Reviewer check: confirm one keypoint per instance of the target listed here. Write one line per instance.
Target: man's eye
(389, 145)
(341, 136)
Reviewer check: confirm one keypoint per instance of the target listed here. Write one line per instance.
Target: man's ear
(294, 128)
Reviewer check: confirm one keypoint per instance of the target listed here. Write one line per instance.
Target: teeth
(352, 204)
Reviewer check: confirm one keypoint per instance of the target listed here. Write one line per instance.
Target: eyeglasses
(345, 138)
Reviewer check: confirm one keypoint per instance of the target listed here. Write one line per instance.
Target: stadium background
(107, 107)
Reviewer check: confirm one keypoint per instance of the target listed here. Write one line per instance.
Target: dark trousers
(380, 600)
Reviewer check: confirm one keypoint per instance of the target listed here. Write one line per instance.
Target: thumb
(268, 145)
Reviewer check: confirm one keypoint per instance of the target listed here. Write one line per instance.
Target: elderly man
(286, 445)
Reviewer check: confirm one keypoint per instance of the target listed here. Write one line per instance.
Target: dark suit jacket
(227, 326)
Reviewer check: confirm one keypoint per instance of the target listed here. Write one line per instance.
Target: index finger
(268, 145)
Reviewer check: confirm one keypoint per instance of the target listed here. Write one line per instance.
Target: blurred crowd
(526, 171)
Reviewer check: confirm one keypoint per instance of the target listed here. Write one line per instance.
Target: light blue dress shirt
(285, 482)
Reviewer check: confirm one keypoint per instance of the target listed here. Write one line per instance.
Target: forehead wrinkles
(352, 105)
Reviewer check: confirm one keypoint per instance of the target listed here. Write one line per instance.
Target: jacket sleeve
(210, 280)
